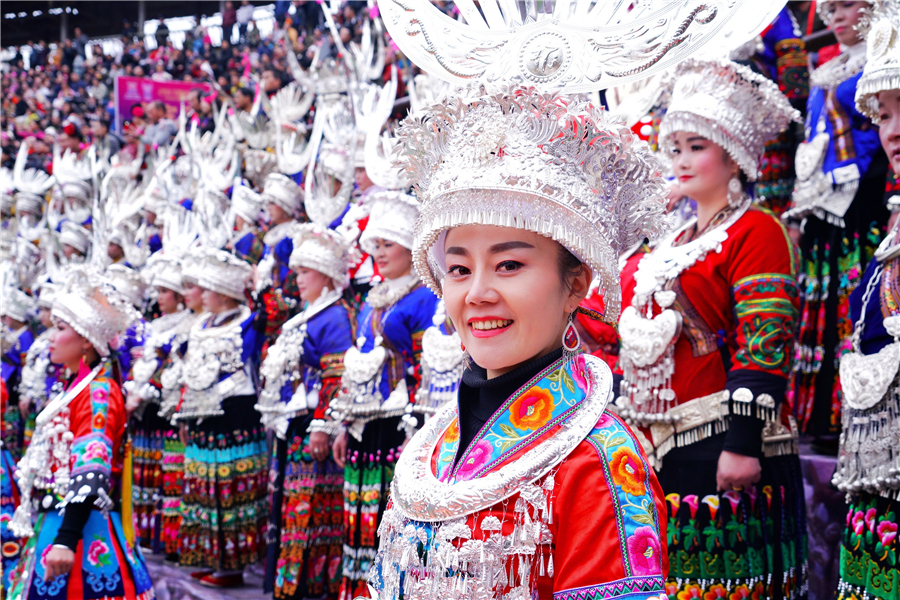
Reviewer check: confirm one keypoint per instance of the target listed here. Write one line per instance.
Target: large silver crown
(540, 162)
(730, 105)
(324, 250)
(580, 46)
(882, 71)
(93, 307)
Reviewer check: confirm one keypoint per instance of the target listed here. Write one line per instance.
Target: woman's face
(276, 213)
(70, 251)
(889, 128)
(168, 300)
(702, 167)
(67, 346)
(44, 315)
(216, 303)
(311, 283)
(844, 18)
(393, 260)
(193, 297)
(505, 295)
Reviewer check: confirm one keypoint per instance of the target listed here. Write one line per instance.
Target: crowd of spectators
(65, 94)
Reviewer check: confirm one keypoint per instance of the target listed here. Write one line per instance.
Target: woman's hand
(339, 448)
(737, 471)
(183, 433)
(318, 445)
(59, 562)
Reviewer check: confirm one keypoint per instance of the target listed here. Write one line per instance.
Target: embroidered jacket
(307, 362)
(106, 563)
(553, 499)
(144, 379)
(733, 357)
(14, 358)
(222, 359)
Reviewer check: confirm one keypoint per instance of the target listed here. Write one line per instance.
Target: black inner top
(480, 397)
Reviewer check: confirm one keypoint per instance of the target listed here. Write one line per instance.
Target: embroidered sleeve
(250, 248)
(277, 310)
(765, 300)
(610, 536)
(332, 371)
(93, 447)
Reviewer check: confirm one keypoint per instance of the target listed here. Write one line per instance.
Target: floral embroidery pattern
(869, 550)
(627, 475)
(628, 471)
(539, 406)
(739, 545)
(532, 410)
(92, 453)
(98, 554)
(644, 551)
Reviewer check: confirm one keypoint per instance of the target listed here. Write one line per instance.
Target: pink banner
(140, 91)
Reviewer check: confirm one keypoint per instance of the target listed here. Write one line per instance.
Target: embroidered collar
(839, 69)
(389, 293)
(538, 406)
(541, 439)
(667, 261)
(279, 232)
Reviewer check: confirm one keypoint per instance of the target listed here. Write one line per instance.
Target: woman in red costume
(71, 475)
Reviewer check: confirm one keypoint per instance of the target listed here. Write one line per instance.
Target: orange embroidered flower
(99, 422)
(532, 410)
(452, 433)
(714, 592)
(690, 592)
(739, 592)
(628, 471)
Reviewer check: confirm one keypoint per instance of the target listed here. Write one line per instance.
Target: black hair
(569, 267)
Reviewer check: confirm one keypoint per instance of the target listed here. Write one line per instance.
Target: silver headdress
(47, 294)
(129, 283)
(166, 267)
(17, 304)
(324, 250)
(246, 203)
(392, 216)
(31, 185)
(224, 273)
(578, 46)
(330, 173)
(729, 105)
(76, 236)
(882, 70)
(539, 162)
(282, 191)
(93, 307)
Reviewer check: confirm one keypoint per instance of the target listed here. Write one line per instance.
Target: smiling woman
(498, 495)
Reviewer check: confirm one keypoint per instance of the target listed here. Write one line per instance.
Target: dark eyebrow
(495, 249)
(506, 246)
(697, 137)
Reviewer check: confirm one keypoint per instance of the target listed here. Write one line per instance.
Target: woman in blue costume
(224, 502)
(154, 437)
(869, 460)
(381, 375)
(302, 373)
(838, 218)
(70, 477)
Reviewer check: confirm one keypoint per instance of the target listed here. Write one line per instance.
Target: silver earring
(735, 191)
(571, 341)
